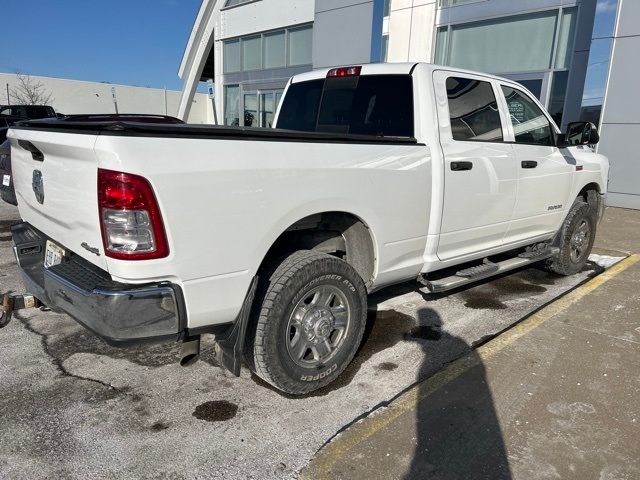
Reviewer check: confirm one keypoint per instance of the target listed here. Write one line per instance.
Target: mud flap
(230, 345)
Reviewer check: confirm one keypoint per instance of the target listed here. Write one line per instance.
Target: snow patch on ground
(604, 261)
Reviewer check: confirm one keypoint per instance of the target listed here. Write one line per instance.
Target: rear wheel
(576, 240)
(310, 324)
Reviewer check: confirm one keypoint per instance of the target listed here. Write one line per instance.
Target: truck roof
(403, 68)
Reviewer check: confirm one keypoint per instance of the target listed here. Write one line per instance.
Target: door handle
(529, 164)
(460, 166)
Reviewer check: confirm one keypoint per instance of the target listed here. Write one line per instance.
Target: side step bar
(487, 270)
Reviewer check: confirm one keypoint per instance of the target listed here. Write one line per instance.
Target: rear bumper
(119, 313)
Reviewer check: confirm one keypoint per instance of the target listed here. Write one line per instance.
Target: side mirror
(580, 133)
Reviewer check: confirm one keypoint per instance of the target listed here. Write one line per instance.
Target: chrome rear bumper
(119, 313)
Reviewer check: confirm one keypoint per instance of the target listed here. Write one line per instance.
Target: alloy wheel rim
(580, 241)
(318, 326)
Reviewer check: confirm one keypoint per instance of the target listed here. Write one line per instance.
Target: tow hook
(11, 303)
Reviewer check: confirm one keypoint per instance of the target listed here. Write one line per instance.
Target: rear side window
(378, 105)
(473, 110)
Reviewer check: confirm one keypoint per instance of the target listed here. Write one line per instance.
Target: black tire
(281, 298)
(572, 258)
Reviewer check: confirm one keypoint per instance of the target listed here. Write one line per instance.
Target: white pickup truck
(271, 239)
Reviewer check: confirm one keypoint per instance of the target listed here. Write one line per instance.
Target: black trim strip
(131, 129)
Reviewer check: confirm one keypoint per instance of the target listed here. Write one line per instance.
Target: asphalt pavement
(73, 407)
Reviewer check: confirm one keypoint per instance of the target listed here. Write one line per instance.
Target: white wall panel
(620, 121)
(399, 35)
(342, 32)
(75, 97)
(422, 37)
(264, 15)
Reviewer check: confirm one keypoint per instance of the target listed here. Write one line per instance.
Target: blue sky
(140, 42)
(132, 42)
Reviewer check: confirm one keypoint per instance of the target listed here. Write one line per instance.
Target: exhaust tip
(188, 360)
(190, 351)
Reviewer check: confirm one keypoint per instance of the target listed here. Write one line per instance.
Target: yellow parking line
(322, 464)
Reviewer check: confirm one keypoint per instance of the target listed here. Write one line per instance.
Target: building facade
(248, 49)
(566, 52)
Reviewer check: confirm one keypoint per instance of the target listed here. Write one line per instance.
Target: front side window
(530, 124)
(473, 110)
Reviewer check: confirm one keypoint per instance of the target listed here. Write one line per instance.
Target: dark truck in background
(8, 119)
(9, 116)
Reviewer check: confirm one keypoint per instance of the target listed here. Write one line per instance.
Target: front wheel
(576, 240)
(311, 322)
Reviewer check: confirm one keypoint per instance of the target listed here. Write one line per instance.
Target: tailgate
(67, 175)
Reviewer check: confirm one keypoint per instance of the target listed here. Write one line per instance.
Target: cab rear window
(378, 105)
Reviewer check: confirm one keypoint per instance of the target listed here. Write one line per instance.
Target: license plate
(6, 180)
(53, 255)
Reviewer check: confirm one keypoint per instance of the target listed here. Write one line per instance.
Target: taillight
(130, 219)
(344, 72)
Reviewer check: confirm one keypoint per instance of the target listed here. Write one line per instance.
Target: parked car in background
(6, 187)
(32, 112)
(7, 192)
(272, 238)
(9, 116)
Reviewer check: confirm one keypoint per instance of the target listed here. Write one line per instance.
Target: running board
(484, 271)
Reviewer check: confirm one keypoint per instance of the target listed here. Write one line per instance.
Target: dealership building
(574, 55)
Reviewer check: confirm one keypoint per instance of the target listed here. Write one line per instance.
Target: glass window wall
(232, 105)
(522, 43)
(300, 46)
(599, 60)
(566, 34)
(251, 53)
(274, 45)
(231, 54)
(277, 49)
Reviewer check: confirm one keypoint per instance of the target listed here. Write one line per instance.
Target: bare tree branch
(30, 92)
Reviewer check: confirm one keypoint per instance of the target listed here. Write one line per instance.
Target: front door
(545, 173)
(480, 170)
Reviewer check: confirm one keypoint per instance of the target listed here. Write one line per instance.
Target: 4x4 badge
(38, 185)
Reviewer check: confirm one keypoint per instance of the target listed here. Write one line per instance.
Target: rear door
(480, 177)
(545, 175)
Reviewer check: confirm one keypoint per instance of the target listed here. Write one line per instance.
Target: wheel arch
(591, 193)
(336, 232)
